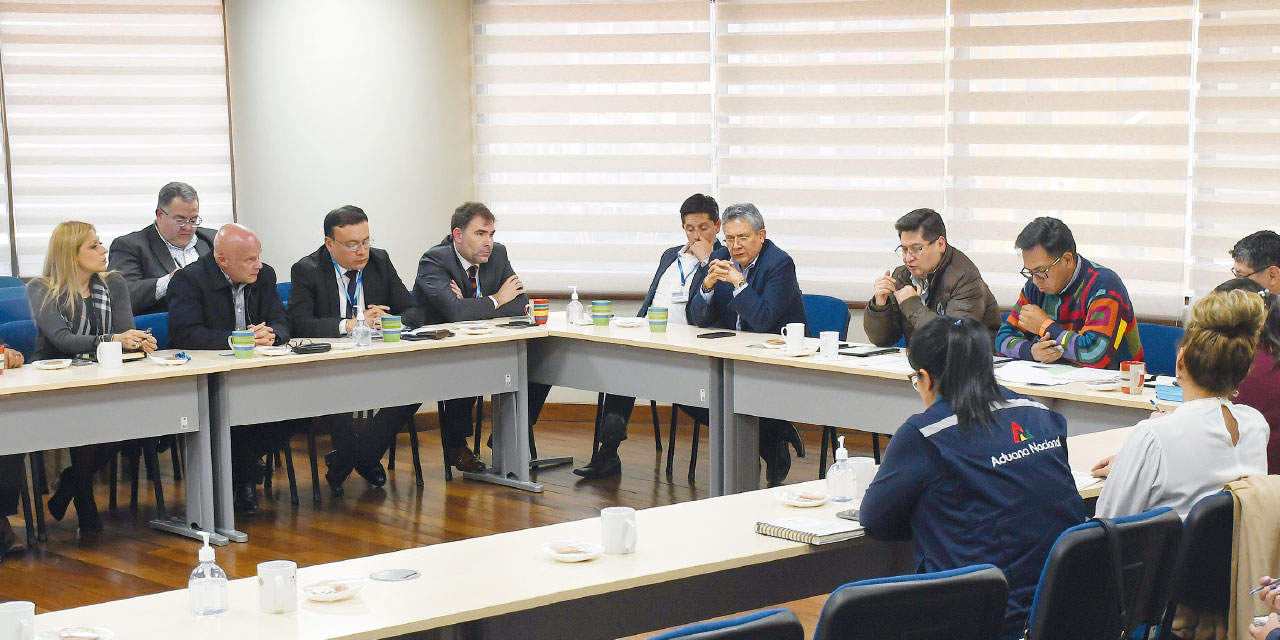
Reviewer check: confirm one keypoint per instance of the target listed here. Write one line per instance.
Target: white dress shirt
(182, 256)
(1177, 459)
(342, 297)
(466, 266)
(674, 285)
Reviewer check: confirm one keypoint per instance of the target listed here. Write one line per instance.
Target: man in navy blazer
(344, 278)
(750, 285)
(672, 284)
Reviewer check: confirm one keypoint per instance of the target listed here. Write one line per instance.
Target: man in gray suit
(148, 258)
(468, 277)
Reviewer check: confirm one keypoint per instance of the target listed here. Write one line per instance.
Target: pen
(1265, 586)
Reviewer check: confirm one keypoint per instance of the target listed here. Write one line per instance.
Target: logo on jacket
(1020, 434)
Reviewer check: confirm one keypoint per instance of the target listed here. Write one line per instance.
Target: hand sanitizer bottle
(842, 483)
(361, 334)
(573, 311)
(208, 585)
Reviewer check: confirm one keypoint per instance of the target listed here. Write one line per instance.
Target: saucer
(1103, 385)
(342, 346)
(774, 343)
(807, 351)
(334, 589)
(282, 350)
(77, 633)
(476, 330)
(168, 359)
(48, 365)
(572, 551)
(629, 323)
(801, 498)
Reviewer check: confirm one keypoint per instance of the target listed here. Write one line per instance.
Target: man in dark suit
(231, 289)
(750, 285)
(148, 258)
(672, 284)
(468, 277)
(346, 276)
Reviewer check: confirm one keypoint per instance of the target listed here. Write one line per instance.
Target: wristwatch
(741, 283)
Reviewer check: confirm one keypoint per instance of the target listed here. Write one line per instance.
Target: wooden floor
(130, 559)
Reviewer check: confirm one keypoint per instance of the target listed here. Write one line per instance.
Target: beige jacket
(1255, 551)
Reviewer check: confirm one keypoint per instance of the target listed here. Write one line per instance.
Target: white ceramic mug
(111, 355)
(277, 586)
(864, 470)
(794, 333)
(830, 345)
(18, 620)
(618, 529)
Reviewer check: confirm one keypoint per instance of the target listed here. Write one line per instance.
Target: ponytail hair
(956, 352)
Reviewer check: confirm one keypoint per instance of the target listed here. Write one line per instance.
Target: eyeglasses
(183, 222)
(914, 250)
(353, 245)
(915, 381)
(1041, 274)
(1246, 275)
(735, 240)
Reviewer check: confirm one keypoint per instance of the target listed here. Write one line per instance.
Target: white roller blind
(1078, 110)
(106, 102)
(592, 125)
(1237, 139)
(831, 119)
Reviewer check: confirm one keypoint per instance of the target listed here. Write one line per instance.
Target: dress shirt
(675, 281)
(237, 296)
(342, 297)
(466, 266)
(182, 256)
(706, 295)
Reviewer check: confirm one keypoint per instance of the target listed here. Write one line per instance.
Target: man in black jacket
(148, 258)
(231, 289)
(346, 276)
(468, 277)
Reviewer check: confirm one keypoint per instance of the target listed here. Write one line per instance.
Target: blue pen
(1268, 585)
(1153, 403)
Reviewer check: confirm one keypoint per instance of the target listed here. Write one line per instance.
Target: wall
(339, 102)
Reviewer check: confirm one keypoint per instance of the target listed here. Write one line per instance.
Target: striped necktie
(471, 278)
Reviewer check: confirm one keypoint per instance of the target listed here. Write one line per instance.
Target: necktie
(352, 294)
(471, 278)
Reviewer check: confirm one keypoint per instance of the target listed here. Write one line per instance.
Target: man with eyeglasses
(1070, 309)
(148, 258)
(344, 279)
(1257, 257)
(935, 279)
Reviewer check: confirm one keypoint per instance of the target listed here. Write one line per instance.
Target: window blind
(106, 102)
(592, 125)
(1237, 138)
(831, 119)
(1081, 113)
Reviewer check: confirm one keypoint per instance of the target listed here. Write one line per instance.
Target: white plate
(629, 323)
(60, 363)
(168, 359)
(774, 343)
(586, 550)
(281, 350)
(800, 498)
(77, 633)
(342, 346)
(472, 323)
(1103, 385)
(476, 330)
(334, 589)
(808, 351)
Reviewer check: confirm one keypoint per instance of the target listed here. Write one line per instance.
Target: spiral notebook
(810, 530)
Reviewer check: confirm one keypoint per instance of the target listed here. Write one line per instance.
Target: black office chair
(769, 624)
(1202, 566)
(1077, 596)
(960, 604)
(412, 427)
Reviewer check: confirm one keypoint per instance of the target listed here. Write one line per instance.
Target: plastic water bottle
(842, 482)
(361, 334)
(208, 584)
(573, 311)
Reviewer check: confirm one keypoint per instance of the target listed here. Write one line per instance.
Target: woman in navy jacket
(981, 475)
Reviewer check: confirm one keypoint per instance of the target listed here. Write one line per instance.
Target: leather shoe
(790, 434)
(776, 470)
(336, 474)
(601, 467)
(9, 542)
(373, 473)
(61, 498)
(462, 459)
(246, 500)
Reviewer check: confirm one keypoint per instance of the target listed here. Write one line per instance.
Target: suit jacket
(202, 314)
(142, 257)
(770, 300)
(315, 306)
(439, 266)
(669, 257)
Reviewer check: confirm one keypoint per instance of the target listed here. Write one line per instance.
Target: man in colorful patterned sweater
(1070, 309)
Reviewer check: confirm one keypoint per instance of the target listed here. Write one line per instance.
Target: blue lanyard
(352, 302)
(680, 266)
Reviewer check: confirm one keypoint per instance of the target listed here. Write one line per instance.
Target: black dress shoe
(776, 470)
(61, 498)
(789, 433)
(601, 467)
(9, 542)
(246, 498)
(373, 473)
(336, 473)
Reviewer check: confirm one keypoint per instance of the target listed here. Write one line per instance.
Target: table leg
(224, 516)
(198, 476)
(719, 405)
(511, 434)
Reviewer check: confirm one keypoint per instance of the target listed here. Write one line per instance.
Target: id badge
(680, 297)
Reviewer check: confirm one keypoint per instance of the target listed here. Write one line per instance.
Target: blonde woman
(1175, 459)
(77, 305)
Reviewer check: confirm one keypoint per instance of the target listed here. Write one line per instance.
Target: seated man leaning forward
(1070, 309)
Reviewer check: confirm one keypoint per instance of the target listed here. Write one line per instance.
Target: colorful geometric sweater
(1093, 320)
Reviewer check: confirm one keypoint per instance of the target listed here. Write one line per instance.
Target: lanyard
(353, 302)
(680, 266)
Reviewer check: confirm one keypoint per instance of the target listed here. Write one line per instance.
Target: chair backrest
(960, 604)
(158, 323)
(826, 313)
(14, 308)
(11, 282)
(20, 335)
(283, 289)
(769, 624)
(1076, 596)
(1202, 566)
(1160, 347)
(13, 293)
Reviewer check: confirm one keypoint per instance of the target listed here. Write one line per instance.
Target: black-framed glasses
(915, 381)
(183, 222)
(1040, 274)
(1250, 274)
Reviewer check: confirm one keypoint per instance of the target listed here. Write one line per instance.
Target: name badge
(680, 297)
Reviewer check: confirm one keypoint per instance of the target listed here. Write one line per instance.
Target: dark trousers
(617, 412)
(11, 470)
(458, 422)
(367, 447)
(249, 443)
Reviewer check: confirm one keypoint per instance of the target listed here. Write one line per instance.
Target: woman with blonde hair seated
(77, 304)
(1175, 459)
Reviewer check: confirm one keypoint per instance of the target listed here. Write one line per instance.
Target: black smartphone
(518, 324)
(717, 334)
(848, 514)
(864, 352)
